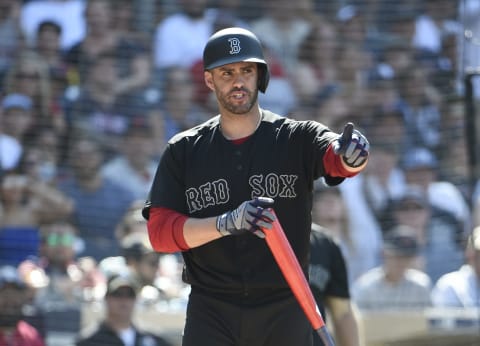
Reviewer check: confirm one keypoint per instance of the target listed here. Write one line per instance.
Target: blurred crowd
(91, 90)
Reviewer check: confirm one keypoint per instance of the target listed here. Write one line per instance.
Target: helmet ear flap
(263, 77)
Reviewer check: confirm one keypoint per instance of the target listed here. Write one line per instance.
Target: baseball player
(213, 195)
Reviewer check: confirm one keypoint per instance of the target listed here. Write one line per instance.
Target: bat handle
(325, 336)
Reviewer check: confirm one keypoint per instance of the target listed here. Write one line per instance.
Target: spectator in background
(329, 283)
(178, 109)
(395, 57)
(329, 211)
(316, 71)
(191, 26)
(420, 104)
(41, 160)
(282, 31)
(352, 26)
(134, 166)
(132, 221)
(421, 168)
(460, 288)
(97, 109)
(280, 96)
(99, 203)
(30, 76)
(26, 204)
(394, 285)
(438, 18)
(117, 329)
(11, 36)
(63, 286)
(355, 67)
(384, 179)
(401, 26)
(59, 279)
(124, 21)
(160, 274)
(68, 14)
(14, 330)
(436, 230)
(17, 117)
(132, 62)
(11, 148)
(47, 46)
(335, 107)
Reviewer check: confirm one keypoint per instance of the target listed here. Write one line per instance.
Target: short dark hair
(49, 24)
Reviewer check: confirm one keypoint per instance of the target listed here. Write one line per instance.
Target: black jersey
(202, 174)
(327, 272)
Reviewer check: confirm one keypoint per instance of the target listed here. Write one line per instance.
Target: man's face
(85, 159)
(121, 303)
(148, 267)
(235, 86)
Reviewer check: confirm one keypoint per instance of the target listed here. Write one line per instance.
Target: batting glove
(353, 146)
(250, 216)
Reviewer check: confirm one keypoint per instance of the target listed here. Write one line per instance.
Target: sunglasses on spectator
(123, 293)
(60, 239)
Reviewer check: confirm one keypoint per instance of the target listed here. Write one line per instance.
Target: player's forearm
(170, 231)
(200, 231)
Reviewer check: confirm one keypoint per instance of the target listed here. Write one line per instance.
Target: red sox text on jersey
(218, 192)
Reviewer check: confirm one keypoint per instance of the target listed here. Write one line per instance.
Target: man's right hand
(250, 216)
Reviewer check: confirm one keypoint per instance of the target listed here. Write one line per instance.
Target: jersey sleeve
(165, 230)
(319, 144)
(168, 187)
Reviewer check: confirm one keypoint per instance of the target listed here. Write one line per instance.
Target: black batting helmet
(235, 45)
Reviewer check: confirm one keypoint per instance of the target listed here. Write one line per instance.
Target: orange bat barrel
(291, 270)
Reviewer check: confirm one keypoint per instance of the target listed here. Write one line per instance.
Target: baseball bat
(291, 270)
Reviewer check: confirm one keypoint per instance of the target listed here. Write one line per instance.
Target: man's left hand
(353, 146)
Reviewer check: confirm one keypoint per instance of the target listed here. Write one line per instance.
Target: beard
(223, 99)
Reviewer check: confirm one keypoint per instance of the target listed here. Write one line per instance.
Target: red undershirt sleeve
(165, 230)
(335, 167)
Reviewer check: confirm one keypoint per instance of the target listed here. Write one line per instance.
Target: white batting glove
(353, 146)
(250, 216)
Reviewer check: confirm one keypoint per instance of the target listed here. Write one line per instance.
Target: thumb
(341, 144)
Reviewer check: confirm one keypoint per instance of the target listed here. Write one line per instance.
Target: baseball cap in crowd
(401, 240)
(17, 101)
(9, 277)
(136, 245)
(419, 158)
(122, 283)
(411, 197)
